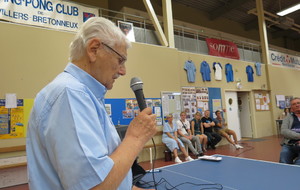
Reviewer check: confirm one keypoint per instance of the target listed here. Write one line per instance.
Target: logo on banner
(222, 48)
(86, 16)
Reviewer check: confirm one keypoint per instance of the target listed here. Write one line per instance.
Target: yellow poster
(12, 120)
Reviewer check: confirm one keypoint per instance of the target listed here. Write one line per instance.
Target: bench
(12, 161)
(13, 169)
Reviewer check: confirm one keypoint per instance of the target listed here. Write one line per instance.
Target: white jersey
(218, 71)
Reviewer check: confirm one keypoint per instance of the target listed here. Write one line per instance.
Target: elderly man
(290, 129)
(71, 141)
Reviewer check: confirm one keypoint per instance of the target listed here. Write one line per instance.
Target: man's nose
(122, 70)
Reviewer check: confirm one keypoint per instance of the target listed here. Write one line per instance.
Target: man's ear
(92, 48)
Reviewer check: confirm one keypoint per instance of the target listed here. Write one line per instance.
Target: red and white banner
(222, 48)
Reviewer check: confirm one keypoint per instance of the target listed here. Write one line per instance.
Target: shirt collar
(95, 86)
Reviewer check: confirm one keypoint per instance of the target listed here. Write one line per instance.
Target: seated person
(290, 130)
(170, 138)
(186, 136)
(197, 130)
(207, 124)
(286, 111)
(222, 129)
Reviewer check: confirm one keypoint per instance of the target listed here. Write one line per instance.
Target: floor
(266, 148)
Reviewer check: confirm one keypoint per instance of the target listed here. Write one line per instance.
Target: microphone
(136, 85)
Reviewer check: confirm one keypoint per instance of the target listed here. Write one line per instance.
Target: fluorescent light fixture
(289, 10)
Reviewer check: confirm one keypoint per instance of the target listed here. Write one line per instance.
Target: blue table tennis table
(232, 173)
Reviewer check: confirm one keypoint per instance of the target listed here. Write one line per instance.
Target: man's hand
(137, 188)
(189, 137)
(143, 127)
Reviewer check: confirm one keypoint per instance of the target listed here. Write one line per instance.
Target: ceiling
(237, 11)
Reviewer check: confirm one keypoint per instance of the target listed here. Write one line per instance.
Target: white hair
(96, 27)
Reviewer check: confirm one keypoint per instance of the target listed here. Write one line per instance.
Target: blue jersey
(205, 71)
(229, 72)
(258, 68)
(191, 70)
(249, 71)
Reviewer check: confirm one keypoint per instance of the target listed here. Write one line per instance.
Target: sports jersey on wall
(218, 70)
(258, 68)
(205, 71)
(249, 71)
(229, 73)
(190, 68)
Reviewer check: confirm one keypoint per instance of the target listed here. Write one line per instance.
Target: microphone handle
(140, 99)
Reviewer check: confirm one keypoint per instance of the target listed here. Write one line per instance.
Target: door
(245, 114)
(233, 119)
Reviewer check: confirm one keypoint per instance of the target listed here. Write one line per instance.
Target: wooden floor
(266, 148)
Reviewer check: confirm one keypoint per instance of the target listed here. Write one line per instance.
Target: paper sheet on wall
(108, 109)
(268, 98)
(258, 106)
(279, 98)
(11, 100)
(178, 106)
(157, 111)
(158, 121)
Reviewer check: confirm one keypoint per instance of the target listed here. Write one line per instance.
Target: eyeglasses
(296, 103)
(122, 59)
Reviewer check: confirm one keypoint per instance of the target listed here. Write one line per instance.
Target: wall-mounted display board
(199, 99)
(262, 100)
(171, 104)
(191, 100)
(12, 120)
(215, 101)
(122, 111)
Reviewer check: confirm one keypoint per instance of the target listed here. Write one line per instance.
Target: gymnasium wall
(31, 57)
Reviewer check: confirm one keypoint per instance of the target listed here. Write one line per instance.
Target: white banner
(284, 60)
(46, 13)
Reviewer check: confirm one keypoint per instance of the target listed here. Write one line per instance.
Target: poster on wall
(12, 120)
(132, 109)
(281, 104)
(279, 98)
(189, 101)
(108, 109)
(128, 114)
(202, 99)
(156, 107)
(288, 101)
(56, 14)
(127, 29)
(217, 105)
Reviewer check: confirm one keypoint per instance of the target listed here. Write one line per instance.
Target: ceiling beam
(161, 36)
(234, 4)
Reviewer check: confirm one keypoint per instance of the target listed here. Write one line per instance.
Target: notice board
(262, 100)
